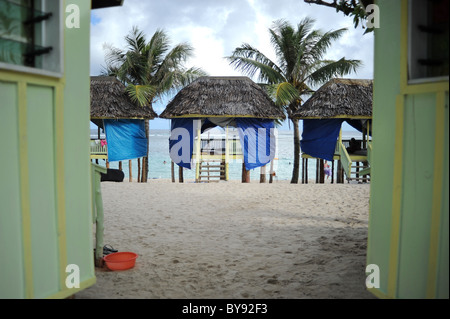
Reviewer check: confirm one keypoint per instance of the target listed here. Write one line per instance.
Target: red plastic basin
(120, 260)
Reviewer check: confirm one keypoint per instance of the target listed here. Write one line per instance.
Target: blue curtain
(258, 141)
(181, 142)
(319, 137)
(126, 139)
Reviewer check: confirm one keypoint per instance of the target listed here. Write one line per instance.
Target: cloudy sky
(216, 27)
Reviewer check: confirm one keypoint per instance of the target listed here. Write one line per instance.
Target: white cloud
(215, 28)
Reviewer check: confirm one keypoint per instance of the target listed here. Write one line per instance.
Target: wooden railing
(346, 161)
(217, 147)
(98, 151)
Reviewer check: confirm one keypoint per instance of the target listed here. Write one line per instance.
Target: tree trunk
(296, 170)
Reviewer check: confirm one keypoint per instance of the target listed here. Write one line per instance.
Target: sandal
(108, 249)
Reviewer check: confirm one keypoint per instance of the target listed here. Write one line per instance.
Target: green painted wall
(41, 152)
(76, 145)
(11, 280)
(386, 88)
(409, 201)
(45, 174)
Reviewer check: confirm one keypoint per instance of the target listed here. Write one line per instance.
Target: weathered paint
(408, 222)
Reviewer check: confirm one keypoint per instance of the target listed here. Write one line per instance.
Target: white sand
(232, 241)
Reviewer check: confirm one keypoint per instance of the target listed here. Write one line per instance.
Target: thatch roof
(109, 100)
(222, 97)
(339, 98)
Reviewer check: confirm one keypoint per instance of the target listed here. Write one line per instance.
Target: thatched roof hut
(109, 100)
(223, 97)
(339, 98)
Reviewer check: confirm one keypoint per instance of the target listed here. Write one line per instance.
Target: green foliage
(151, 68)
(300, 63)
(352, 8)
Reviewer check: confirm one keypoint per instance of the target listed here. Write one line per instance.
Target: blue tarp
(126, 139)
(319, 137)
(181, 142)
(258, 141)
(358, 125)
(257, 138)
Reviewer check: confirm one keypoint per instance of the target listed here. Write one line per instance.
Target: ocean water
(160, 162)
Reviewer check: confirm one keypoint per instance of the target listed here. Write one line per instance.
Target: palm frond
(285, 93)
(251, 61)
(141, 94)
(136, 40)
(318, 50)
(338, 68)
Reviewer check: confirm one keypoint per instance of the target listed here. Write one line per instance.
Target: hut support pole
(303, 170)
(317, 170)
(306, 171)
(130, 171)
(144, 169)
(245, 174)
(227, 155)
(139, 170)
(322, 172)
(120, 166)
(272, 173)
(262, 178)
(332, 171)
(180, 175)
(198, 155)
(172, 170)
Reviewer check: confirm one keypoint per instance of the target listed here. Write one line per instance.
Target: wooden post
(107, 164)
(303, 170)
(172, 169)
(139, 170)
(227, 155)
(198, 151)
(245, 174)
(306, 176)
(224, 166)
(120, 166)
(180, 175)
(357, 171)
(144, 169)
(130, 171)
(317, 170)
(262, 178)
(332, 171)
(272, 173)
(339, 168)
(322, 172)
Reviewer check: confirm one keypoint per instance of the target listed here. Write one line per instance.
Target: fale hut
(123, 122)
(46, 212)
(408, 243)
(336, 102)
(223, 101)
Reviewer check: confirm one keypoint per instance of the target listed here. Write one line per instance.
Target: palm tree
(301, 66)
(150, 69)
